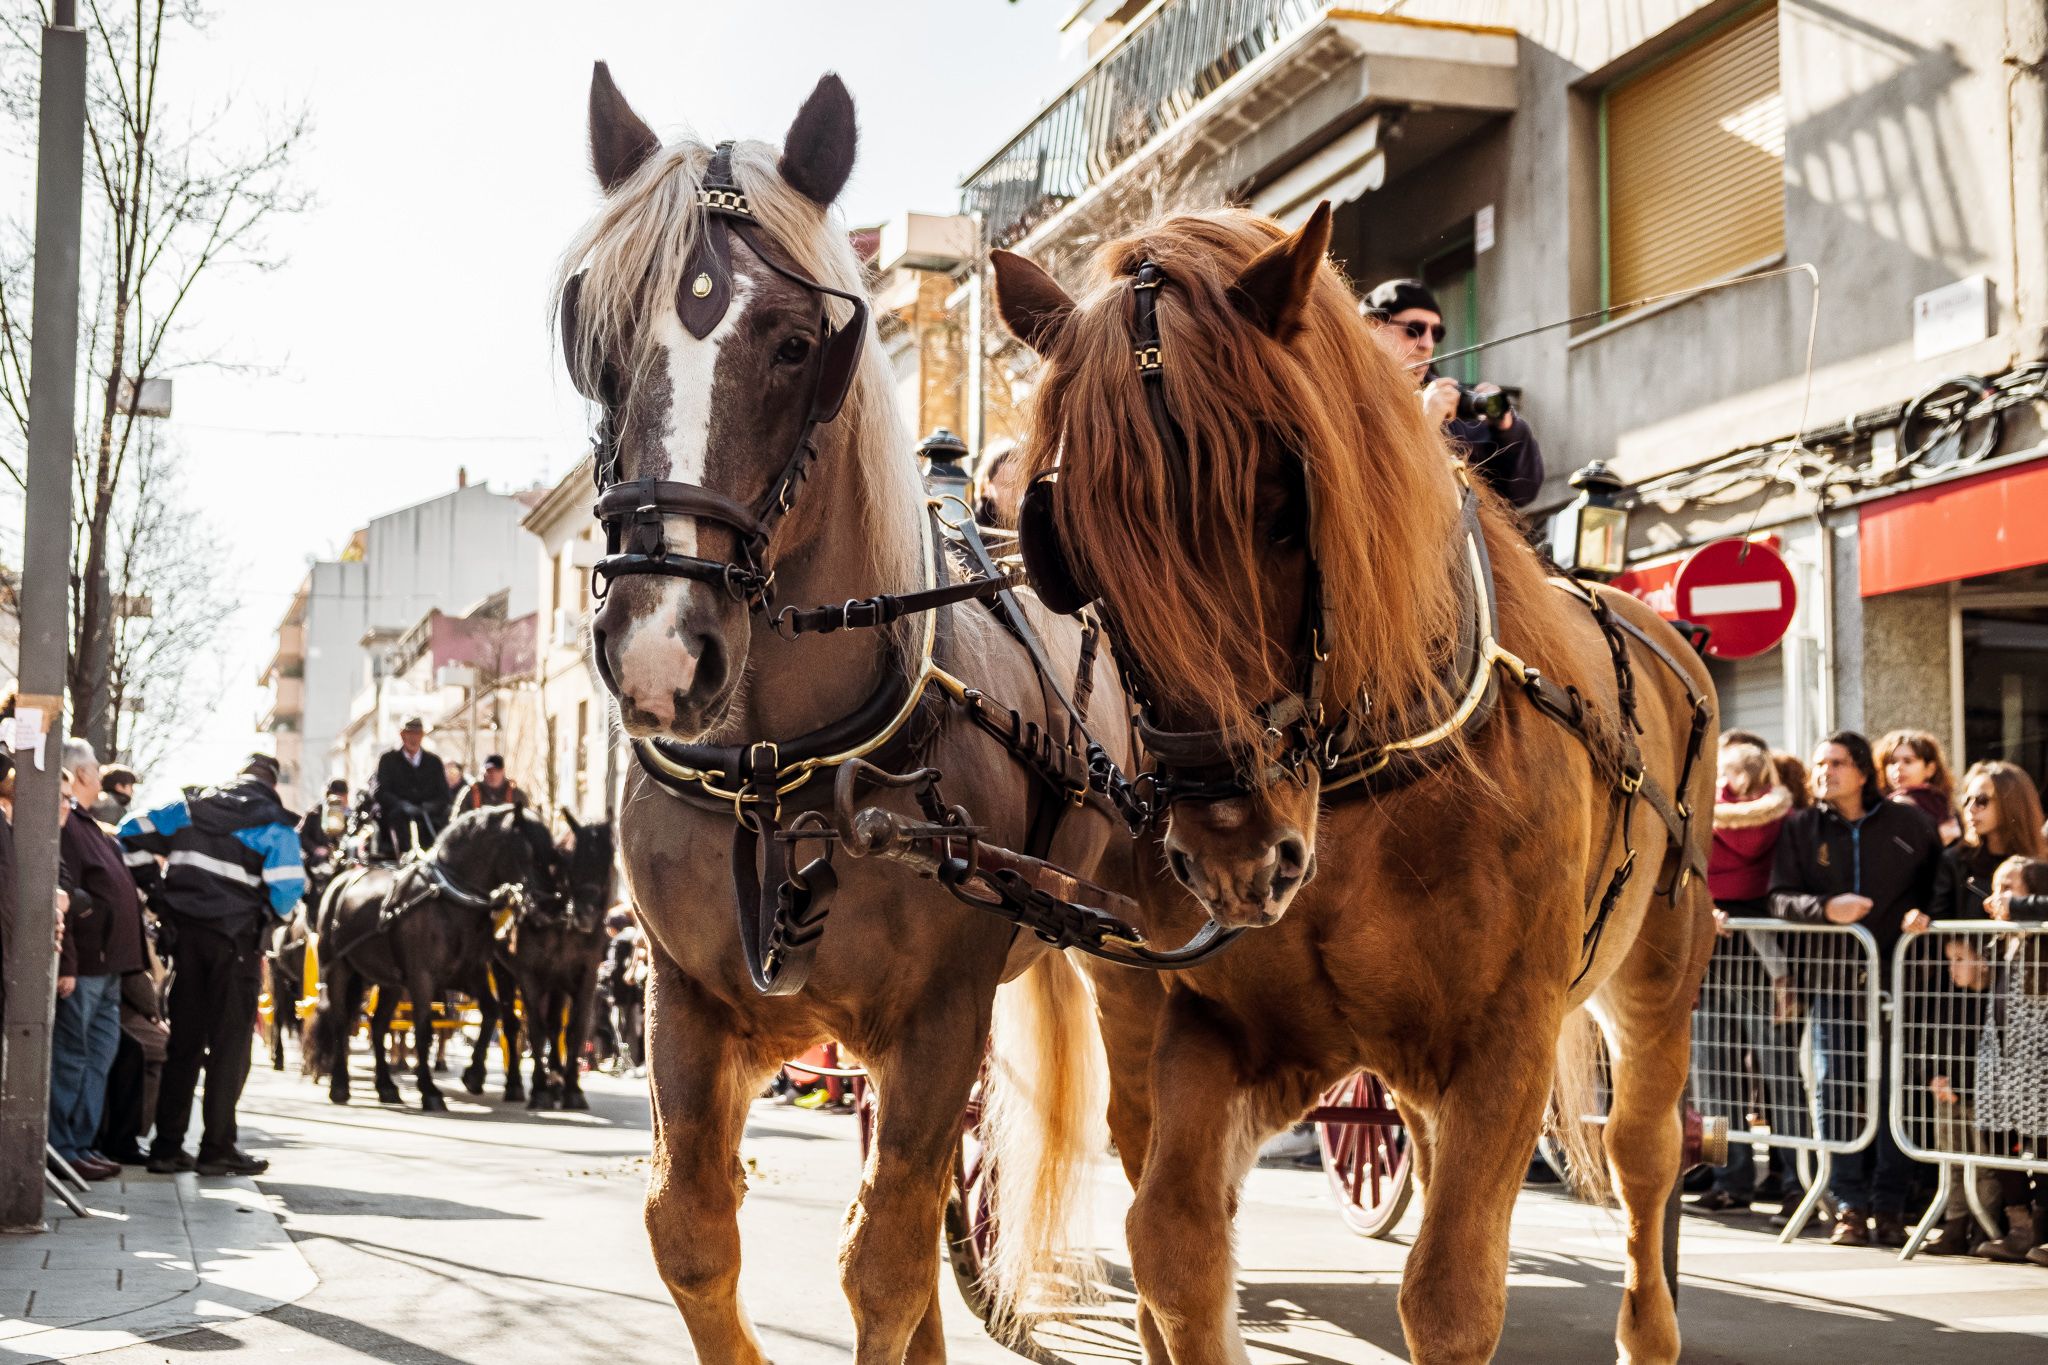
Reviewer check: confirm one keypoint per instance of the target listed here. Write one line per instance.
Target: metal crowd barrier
(1788, 1044)
(1970, 1032)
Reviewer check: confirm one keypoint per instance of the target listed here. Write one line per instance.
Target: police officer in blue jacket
(219, 867)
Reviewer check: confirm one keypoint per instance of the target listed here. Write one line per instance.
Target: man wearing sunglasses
(1411, 326)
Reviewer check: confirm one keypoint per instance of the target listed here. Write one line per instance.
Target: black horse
(424, 927)
(553, 953)
(285, 956)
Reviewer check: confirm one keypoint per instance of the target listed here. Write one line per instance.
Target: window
(1693, 163)
(582, 746)
(555, 606)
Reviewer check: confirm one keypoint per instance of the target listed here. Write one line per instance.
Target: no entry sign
(1742, 590)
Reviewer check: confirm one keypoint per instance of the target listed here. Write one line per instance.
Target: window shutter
(1695, 163)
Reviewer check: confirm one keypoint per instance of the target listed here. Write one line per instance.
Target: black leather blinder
(1045, 554)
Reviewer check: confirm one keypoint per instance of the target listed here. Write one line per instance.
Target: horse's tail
(323, 1042)
(1574, 1096)
(1043, 1113)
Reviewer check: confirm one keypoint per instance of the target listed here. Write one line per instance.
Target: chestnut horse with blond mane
(1420, 773)
(751, 439)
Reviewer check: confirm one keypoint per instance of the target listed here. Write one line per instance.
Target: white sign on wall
(1482, 230)
(1951, 317)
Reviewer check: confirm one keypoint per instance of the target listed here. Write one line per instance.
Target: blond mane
(632, 253)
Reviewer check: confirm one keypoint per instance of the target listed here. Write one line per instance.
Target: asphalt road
(491, 1235)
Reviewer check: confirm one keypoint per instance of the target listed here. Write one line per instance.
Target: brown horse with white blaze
(713, 308)
(1385, 743)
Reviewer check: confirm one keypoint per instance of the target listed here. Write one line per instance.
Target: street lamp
(1589, 535)
(944, 477)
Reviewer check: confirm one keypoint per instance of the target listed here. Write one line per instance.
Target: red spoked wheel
(1365, 1154)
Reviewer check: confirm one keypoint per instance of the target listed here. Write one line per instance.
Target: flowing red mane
(1183, 582)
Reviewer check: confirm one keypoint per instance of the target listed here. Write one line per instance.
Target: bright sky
(406, 335)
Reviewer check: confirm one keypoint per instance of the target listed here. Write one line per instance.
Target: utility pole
(45, 612)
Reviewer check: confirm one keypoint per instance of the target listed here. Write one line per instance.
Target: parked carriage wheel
(969, 1226)
(1370, 1166)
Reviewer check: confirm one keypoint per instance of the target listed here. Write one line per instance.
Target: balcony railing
(1149, 81)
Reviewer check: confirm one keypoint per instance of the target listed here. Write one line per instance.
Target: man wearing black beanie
(1411, 326)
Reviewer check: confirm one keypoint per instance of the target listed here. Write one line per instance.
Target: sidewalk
(160, 1255)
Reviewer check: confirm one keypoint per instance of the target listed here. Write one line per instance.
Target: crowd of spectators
(159, 917)
(1878, 837)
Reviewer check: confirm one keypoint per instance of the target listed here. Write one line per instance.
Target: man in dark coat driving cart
(412, 792)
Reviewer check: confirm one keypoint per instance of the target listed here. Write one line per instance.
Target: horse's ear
(620, 142)
(1274, 289)
(1031, 302)
(817, 152)
(570, 820)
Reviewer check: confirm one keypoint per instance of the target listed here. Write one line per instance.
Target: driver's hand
(1440, 401)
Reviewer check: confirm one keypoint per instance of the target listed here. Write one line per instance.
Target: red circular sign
(1742, 590)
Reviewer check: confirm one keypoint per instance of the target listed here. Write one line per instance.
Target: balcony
(1232, 97)
(289, 656)
(287, 704)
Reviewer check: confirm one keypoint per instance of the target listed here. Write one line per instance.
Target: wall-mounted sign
(1951, 317)
(1482, 230)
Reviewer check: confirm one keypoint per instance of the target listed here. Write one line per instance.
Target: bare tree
(174, 202)
(166, 669)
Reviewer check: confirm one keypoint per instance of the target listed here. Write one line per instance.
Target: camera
(1489, 407)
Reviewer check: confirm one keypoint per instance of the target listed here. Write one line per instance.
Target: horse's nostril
(1293, 861)
(1183, 871)
(709, 678)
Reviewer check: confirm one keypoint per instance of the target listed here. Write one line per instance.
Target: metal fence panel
(1788, 1035)
(1970, 1031)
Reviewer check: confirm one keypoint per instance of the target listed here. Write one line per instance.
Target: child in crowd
(1911, 765)
(2012, 1058)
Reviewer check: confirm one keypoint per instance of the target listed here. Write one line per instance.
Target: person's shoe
(1718, 1200)
(1888, 1230)
(1851, 1230)
(2020, 1238)
(2039, 1255)
(169, 1163)
(235, 1162)
(1952, 1238)
(90, 1167)
(1773, 1188)
(1699, 1180)
(130, 1155)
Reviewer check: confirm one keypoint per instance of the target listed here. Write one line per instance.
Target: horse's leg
(1480, 1132)
(540, 1026)
(507, 987)
(886, 1263)
(702, 1076)
(578, 1028)
(473, 1075)
(420, 989)
(278, 1006)
(344, 986)
(1179, 1225)
(380, 1035)
(1646, 1009)
(1128, 1005)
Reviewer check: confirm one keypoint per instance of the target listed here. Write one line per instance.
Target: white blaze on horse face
(692, 373)
(656, 660)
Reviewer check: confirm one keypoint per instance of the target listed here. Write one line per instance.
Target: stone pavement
(161, 1256)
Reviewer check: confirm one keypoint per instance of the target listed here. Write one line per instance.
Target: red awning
(1981, 525)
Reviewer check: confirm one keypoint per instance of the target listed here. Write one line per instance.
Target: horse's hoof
(432, 1103)
(473, 1082)
(574, 1100)
(514, 1094)
(337, 1097)
(539, 1099)
(390, 1096)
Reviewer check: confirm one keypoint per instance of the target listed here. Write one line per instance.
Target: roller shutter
(1694, 162)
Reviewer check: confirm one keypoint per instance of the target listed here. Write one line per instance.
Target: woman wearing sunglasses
(2001, 819)
(1411, 327)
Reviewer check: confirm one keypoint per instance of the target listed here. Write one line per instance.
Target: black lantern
(1589, 535)
(945, 474)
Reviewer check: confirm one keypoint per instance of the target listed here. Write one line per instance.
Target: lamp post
(1589, 535)
(945, 477)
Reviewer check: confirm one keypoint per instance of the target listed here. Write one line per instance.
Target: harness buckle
(1632, 780)
(1148, 355)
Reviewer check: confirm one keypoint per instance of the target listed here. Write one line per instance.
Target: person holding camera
(1482, 419)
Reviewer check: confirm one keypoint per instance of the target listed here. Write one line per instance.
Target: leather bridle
(634, 512)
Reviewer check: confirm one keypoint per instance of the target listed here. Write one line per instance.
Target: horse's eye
(794, 351)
